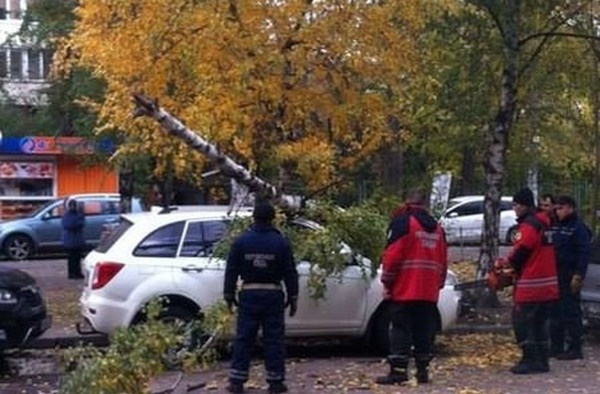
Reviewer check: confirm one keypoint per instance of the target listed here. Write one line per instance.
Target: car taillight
(104, 272)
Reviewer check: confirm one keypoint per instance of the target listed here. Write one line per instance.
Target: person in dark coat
(262, 257)
(572, 244)
(73, 222)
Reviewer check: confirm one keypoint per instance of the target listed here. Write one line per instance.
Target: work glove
(501, 263)
(576, 283)
(292, 302)
(231, 301)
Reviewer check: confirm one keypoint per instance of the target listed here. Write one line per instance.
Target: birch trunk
(150, 108)
(495, 158)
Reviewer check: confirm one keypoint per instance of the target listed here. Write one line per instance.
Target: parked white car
(153, 255)
(463, 220)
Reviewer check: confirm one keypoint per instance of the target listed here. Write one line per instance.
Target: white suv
(153, 255)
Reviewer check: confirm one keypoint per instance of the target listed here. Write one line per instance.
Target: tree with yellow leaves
(300, 90)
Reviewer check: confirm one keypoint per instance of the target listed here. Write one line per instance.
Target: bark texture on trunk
(145, 106)
(495, 158)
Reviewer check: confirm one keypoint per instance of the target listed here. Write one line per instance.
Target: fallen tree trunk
(146, 106)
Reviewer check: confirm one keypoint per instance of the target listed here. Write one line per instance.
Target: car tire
(18, 247)
(192, 337)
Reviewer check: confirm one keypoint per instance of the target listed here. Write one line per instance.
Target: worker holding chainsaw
(532, 264)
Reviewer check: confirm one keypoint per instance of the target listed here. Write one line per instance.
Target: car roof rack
(159, 210)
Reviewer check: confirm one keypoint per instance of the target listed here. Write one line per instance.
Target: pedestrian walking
(73, 223)
(536, 283)
(414, 269)
(262, 257)
(572, 244)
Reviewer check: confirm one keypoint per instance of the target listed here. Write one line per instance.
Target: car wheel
(18, 247)
(192, 335)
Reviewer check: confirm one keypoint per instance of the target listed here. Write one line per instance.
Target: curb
(49, 342)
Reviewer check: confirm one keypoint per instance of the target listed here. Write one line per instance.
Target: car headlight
(7, 297)
(451, 279)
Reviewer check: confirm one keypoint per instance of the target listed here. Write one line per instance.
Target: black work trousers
(259, 309)
(530, 323)
(414, 324)
(566, 326)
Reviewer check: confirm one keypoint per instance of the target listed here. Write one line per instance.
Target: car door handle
(192, 268)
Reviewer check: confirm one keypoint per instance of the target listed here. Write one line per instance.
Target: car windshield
(43, 208)
(452, 204)
(111, 233)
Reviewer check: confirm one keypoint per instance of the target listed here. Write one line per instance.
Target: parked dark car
(23, 314)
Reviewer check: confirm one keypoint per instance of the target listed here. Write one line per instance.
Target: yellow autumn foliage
(308, 83)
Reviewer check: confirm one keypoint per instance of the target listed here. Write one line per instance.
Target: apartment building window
(16, 64)
(13, 9)
(25, 64)
(3, 64)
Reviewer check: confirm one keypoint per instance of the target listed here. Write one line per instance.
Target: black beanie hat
(263, 212)
(524, 197)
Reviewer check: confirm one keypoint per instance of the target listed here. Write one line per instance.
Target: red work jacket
(415, 260)
(533, 257)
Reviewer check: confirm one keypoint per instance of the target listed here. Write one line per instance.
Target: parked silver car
(41, 232)
(590, 294)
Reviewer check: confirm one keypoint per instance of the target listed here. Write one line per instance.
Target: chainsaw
(500, 277)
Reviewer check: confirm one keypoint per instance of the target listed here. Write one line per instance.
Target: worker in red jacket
(414, 269)
(536, 283)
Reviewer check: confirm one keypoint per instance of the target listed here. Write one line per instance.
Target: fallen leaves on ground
(479, 350)
(63, 305)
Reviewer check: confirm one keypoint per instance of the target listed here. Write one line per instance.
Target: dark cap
(566, 200)
(263, 212)
(524, 197)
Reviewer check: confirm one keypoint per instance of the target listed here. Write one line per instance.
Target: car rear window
(111, 234)
(162, 242)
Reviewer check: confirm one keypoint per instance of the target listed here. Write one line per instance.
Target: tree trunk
(495, 158)
(148, 107)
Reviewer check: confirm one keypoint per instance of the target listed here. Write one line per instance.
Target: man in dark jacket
(73, 222)
(414, 269)
(536, 283)
(262, 257)
(572, 244)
